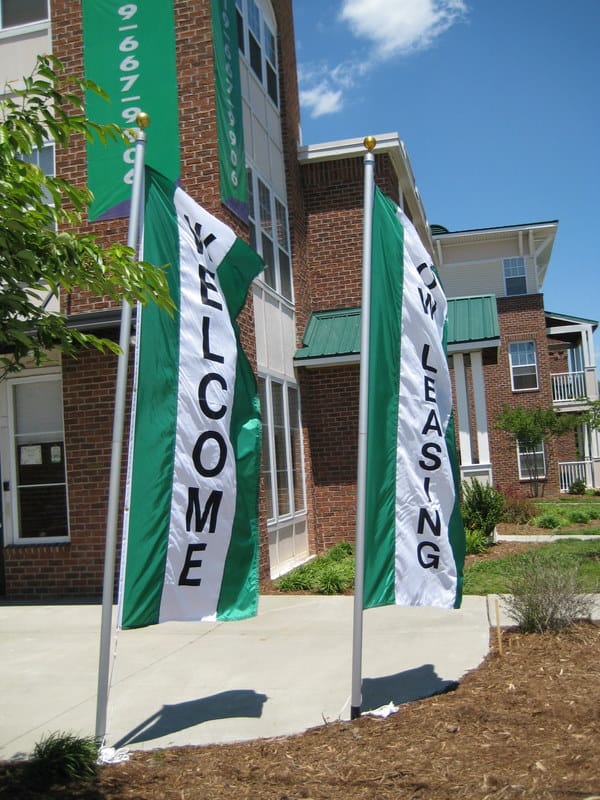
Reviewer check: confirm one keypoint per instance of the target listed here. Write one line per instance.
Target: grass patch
(492, 576)
(331, 573)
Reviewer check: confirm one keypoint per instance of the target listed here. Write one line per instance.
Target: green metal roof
(472, 319)
(336, 333)
(331, 333)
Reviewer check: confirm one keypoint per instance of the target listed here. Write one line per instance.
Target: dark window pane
(269, 259)
(240, 30)
(272, 84)
(255, 57)
(43, 511)
(21, 12)
(285, 275)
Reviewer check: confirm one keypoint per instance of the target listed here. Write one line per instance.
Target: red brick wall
(330, 411)
(334, 204)
(521, 319)
(76, 568)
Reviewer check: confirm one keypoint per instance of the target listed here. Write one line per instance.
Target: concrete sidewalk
(284, 671)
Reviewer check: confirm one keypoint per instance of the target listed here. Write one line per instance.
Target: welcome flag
(190, 541)
(414, 536)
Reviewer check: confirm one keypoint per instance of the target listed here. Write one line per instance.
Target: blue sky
(496, 102)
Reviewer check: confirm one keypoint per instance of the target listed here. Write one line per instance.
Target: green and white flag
(414, 536)
(190, 540)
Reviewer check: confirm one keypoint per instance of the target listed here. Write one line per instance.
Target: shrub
(578, 515)
(340, 551)
(482, 506)
(547, 520)
(577, 487)
(476, 541)
(335, 578)
(546, 593)
(331, 573)
(518, 510)
(63, 758)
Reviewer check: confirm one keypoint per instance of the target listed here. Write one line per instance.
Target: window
(38, 474)
(269, 234)
(514, 276)
(532, 462)
(22, 12)
(42, 157)
(258, 44)
(523, 366)
(282, 462)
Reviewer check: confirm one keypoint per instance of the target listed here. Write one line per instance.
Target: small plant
(577, 487)
(63, 758)
(476, 541)
(546, 593)
(482, 506)
(331, 573)
(579, 516)
(518, 510)
(547, 520)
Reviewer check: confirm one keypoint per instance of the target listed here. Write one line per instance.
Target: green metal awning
(472, 319)
(333, 337)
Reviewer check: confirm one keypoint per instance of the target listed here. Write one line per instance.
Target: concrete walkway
(284, 671)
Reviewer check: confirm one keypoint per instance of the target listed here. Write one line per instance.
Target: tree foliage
(530, 427)
(41, 249)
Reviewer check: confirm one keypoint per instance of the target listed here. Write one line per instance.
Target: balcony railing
(571, 471)
(569, 387)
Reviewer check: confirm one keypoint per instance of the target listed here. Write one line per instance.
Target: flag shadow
(178, 717)
(403, 687)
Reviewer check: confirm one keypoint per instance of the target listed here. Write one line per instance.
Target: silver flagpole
(108, 588)
(357, 630)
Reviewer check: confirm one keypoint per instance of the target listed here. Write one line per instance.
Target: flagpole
(143, 120)
(357, 629)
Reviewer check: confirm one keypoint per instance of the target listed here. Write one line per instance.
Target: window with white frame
(42, 157)
(38, 487)
(515, 278)
(269, 234)
(282, 462)
(22, 12)
(532, 461)
(523, 366)
(258, 45)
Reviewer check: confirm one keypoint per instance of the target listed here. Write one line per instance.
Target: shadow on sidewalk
(403, 687)
(178, 717)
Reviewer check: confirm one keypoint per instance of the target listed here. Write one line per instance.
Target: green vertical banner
(129, 50)
(230, 128)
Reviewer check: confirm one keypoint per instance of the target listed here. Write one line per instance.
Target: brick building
(300, 326)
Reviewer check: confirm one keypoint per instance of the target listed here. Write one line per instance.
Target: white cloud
(391, 28)
(321, 100)
(399, 26)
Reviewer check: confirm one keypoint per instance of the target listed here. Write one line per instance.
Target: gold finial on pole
(142, 119)
(370, 142)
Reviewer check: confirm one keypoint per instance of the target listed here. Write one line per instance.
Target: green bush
(482, 506)
(579, 515)
(331, 573)
(518, 510)
(577, 487)
(476, 541)
(63, 758)
(546, 593)
(547, 520)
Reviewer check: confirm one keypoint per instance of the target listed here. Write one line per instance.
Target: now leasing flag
(414, 536)
(190, 542)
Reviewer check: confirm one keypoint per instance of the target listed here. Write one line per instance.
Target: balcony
(574, 389)
(571, 471)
